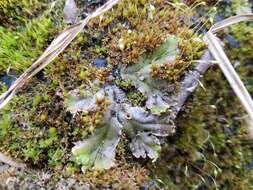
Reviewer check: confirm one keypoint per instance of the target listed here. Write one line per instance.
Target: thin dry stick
(224, 63)
(55, 48)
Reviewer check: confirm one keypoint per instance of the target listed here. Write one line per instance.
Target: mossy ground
(210, 146)
(13, 12)
(211, 149)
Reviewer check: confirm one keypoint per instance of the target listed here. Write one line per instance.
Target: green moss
(16, 12)
(144, 27)
(31, 151)
(135, 97)
(240, 6)
(55, 157)
(36, 100)
(5, 123)
(243, 34)
(20, 48)
(211, 148)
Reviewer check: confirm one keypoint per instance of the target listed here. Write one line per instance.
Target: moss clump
(137, 27)
(135, 97)
(20, 48)
(4, 125)
(242, 34)
(191, 49)
(211, 149)
(126, 176)
(241, 54)
(16, 12)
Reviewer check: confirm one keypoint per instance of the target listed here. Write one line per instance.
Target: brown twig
(191, 82)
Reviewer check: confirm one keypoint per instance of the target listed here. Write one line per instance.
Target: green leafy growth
(142, 125)
(156, 110)
(55, 157)
(52, 137)
(98, 150)
(241, 7)
(36, 100)
(5, 123)
(168, 49)
(18, 49)
(32, 151)
(144, 128)
(17, 12)
(140, 74)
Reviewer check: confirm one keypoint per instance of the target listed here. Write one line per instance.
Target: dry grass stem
(227, 68)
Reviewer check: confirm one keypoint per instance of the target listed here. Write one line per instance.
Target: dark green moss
(211, 148)
(16, 12)
(135, 97)
(243, 34)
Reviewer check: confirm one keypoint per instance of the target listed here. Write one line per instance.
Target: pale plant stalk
(227, 68)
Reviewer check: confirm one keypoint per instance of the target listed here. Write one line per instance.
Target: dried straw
(216, 50)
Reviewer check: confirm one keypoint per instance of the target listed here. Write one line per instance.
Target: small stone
(228, 131)
(121, 44)
(143, 188)
(232, 41)
(8, 80)
(178, 179)
(100, 63)
(218, 18)
(222, 119)
(41, 76)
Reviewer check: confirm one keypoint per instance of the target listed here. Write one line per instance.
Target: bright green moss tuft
(5, 123)
(20, 48)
